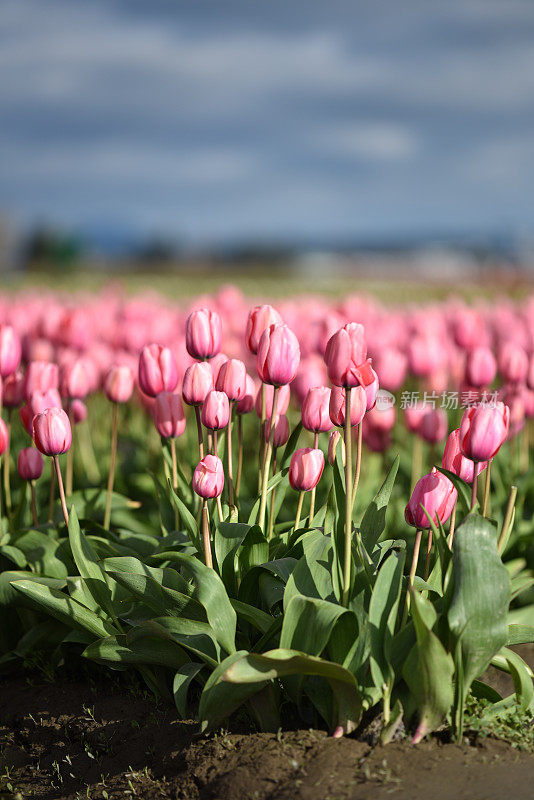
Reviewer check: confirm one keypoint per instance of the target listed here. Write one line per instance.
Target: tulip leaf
(520, 634)
(308, 623)
(312, 575)
(211, 594)
(383, 608)
(461, 486)
(91, 572)
(148, 650)
(373, 522)
(180, 687)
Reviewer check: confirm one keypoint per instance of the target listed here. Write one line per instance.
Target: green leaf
(181, 684)
(383, 608)
(373, 523)
(463, 488)
(220, 699)
(308, 623)
(280, 663)
(478, 612)
(428, 671)
(312, 575)
(62, 607)
(520, 634)
(149, 650)
(521, 675)
(211, 594)
(229, 536)
(90, 570)
(255, 616)
(187, 518)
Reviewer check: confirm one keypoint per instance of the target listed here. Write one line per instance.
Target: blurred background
(377, 139)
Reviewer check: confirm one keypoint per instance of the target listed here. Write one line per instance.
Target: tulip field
(308, 517)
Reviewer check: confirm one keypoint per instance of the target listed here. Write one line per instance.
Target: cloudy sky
(216, 120)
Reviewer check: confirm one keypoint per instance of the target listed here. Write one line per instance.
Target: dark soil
(107, 738)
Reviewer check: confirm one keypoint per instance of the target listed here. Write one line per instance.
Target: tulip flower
(513, 363)
(169, 415)
(13, 390)
(75, 380)
(483, 430)
(334, 440)
(345, 355)
(10, 350)
(208, 482)
(455, 461)
(203, 334)
(280, 430)
(38, 401)
(157, 370)
(433, 425)
(232, 380)
(40, 377)
(215, 411)
(480, 367)
(315, 410)
(305, 471)
(259, 319)
(278, 356)
(53, 436)
(197, 382)
(119, 384)
(30, 468)
(358, 406)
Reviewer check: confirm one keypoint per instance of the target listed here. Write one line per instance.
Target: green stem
(51, 489)
(358, 464)
(61, 490)
(348, 501)
(206, 534)
(267, 462)
(507, 521)
(312, 493)
(474, 488)
(7, 464)
(487, 489)
(413, 569)
(111, 475)
(239, 455)
(229, 458)
(299, 510)
(452, 525)
(273, 497)
(199, 434)
(70, 460)
(175, 481)
(33, 505)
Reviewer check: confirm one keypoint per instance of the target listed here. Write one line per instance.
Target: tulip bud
(345, 353)
(246, 404)
(280, 430)
(413, 416)
(358, 405)
(278, 355)
(169, 415)
(208, 477)
(13, 390)
(51, 432)
(78, 411)
(454, 461)
(119, 384)
(259, 319)
(333, 441)
(157, 370)
(215, 411)
(10, 350)
(433, 425)
(306, 468)
(4, 436)
(315, 410)
(232, 379)
(371, 389)
(198, 381)
(203, 333)
(480, 367)
(30, 464)
(75, 380)
(40, 377)
(437, 494)
(513, 363)
(483, 430)
(282, 404)
(38, 402)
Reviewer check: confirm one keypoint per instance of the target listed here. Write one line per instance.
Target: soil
(105, 738)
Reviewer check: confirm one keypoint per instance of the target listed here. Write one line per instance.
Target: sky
(215, 121)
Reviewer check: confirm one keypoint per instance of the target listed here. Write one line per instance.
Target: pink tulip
(371, 389)
(13, 390)
(433, 425)
(38, 402)
(358, 405)
(480, 367)
(75, 379)
(413, 416)
(437, 494)
(119, 384)
(259, 319)
(456, 462)
(169, 415)
(157, 370)
(391, 366)
(78, 411)
(280, 430)
(483, 430)
(306, 468)
(203, 333)
(232, 379)
(4, 436)
(246, 404)
(315, 410)
(345, 354)
(198, 381)
(51, 432)
(215, 411)
(30, 464)
(208, 478)
(10, 350)
(40, 377)
(513, 363)
(278, 355)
